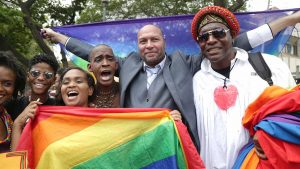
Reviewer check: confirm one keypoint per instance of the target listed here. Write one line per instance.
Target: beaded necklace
(106, 99)
(5, 117)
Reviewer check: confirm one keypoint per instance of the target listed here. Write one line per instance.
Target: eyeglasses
(217, 33)
(37, 73)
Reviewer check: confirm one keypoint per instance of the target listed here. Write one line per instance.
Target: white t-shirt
(221, 132)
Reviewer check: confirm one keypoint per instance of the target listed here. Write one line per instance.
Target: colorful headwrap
(212, 14)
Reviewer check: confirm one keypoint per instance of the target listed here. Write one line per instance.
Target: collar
(161, 64)
(241, 56)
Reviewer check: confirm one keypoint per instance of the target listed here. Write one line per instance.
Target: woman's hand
(28, 113)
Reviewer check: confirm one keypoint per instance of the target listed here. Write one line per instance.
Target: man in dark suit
(151, 78)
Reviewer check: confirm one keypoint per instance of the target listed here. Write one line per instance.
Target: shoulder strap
(260, 66)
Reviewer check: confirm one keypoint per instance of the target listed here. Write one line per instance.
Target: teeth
(72, 93)
(39, 85)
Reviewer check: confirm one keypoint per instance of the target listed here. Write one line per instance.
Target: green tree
(34, 14)
(129, 9)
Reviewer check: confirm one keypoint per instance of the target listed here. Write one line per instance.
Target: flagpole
(268, 7)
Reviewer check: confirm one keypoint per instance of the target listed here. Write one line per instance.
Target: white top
(152, 74)
(259, 35)
(221, 132)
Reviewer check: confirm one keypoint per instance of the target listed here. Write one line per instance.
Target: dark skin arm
(21, 121)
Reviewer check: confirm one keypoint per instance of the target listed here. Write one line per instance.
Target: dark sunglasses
(217, 33)
(36, 73)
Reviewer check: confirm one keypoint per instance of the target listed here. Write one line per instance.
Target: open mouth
(72, 93)
(106, 75)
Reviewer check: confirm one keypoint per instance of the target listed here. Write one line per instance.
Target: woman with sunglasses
(12, 82)
(40, 77)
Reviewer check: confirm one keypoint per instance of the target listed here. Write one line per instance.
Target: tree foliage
(31, 15)
(129, 9)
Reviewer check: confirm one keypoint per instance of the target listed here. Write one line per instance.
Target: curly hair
(43, 58)
(9, 61)
(90, 80)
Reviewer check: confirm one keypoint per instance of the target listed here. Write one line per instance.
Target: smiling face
(218, 50)
(40, 77)
(103, 64)
(7, 84)
(151, 45)
(75, 90)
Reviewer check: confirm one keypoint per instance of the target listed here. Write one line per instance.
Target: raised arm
(264, 33)
(77, 47)
(281, 23)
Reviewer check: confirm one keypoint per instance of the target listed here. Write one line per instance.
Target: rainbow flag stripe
(275, 118)
(70, 137)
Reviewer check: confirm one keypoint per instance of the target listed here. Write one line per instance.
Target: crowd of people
(194, 88)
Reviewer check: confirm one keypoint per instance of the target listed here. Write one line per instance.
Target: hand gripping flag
(70, 137)
(275, 118)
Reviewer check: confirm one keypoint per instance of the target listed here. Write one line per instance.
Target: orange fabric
(270, 94)
(251, 161)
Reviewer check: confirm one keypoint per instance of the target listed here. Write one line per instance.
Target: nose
(149, 44)
(211, 38)
(71, 84)
(41, 76)
(105, 62)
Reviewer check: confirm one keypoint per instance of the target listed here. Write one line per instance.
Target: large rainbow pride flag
(275, 118)
(71, 137)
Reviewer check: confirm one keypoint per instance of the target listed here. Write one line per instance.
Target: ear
(91, 90)
(89, 66)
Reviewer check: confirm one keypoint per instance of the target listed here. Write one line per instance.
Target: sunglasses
(217, 33)
(37, 73)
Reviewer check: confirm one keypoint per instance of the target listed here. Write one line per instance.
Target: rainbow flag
(275, 118)
(72, 137)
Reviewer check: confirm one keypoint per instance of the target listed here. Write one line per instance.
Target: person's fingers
(261, 154)
(175, 114)
(258, 149)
